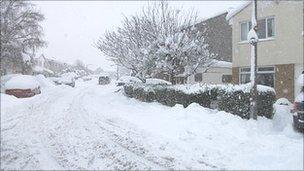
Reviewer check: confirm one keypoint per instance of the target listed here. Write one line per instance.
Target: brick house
(280, 47)
(218, 36)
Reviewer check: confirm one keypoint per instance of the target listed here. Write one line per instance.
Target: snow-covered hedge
(234, 99)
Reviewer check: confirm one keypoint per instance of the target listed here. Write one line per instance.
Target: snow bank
(22, 82)
(156, 81)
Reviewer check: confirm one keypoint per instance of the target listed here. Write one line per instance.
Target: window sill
(260, 40)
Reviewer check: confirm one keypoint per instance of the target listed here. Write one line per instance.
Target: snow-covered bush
(234, 99)
(238, 102)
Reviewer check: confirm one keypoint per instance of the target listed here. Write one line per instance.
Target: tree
(21, 33)
(159, 40)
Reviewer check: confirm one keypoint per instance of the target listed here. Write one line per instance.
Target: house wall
(287, 45)
(284, 51)
(212, 76)
(218, 36)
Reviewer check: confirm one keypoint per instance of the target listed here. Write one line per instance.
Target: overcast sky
(72, 27)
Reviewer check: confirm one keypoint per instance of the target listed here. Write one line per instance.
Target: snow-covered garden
(95, 126)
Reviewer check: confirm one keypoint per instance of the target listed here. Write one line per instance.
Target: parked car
(127, 79)
(298, 108)
(103, 80)
(67, 79)
(22, 86)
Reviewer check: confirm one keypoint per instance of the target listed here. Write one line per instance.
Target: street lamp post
(253, 40)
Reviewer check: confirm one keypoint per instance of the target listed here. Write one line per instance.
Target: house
(218, 35)
(280, 46)
(219, 72)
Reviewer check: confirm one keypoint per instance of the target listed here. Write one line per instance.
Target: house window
(266, 28)
(198, 77)
(227, 78)
(270, 27)
(245, 28)
(265, 76)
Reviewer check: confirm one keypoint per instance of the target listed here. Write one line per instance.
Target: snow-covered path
(94, 127)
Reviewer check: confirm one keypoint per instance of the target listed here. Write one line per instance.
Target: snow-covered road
(95, 127)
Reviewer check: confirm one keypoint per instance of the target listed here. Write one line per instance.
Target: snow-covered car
(86, 78)
(103, 80)
(156, 81)
(298, 107)
(22, 86)
(67, 79)
(127, 79)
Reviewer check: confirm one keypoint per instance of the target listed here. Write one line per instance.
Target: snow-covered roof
(22, 82)
(221, 64)
(156, 81)
(236, 10)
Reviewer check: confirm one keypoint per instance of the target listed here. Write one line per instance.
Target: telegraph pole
(254, 54)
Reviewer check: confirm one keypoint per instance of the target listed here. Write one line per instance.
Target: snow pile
(282, 118)
(44, 82)
(156, 81)
(129, 79)
(22, 82)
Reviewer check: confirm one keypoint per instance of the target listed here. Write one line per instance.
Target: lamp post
(253, 40)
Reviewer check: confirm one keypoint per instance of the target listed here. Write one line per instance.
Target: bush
(234, 99)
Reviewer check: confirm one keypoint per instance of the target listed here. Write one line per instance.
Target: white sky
(72, 27)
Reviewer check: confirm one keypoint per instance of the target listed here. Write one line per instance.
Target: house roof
(235, 11)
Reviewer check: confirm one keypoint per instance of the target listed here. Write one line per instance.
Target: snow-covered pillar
(253, 40)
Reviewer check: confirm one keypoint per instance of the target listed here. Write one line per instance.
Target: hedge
(233, 99)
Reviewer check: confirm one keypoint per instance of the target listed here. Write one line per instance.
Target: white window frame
(247, 27)
(258, 72)
(266, 27)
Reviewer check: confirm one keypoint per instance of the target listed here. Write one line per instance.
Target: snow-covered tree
(21, 33)
(159, 40)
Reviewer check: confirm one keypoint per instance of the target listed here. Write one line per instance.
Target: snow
(300, 80)
(155, 81)
(42, 69)
(129, 79)
(221, 64)
(196, 88)
(67, 77)
(44, 82)
(22, 82)
(93, 127)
